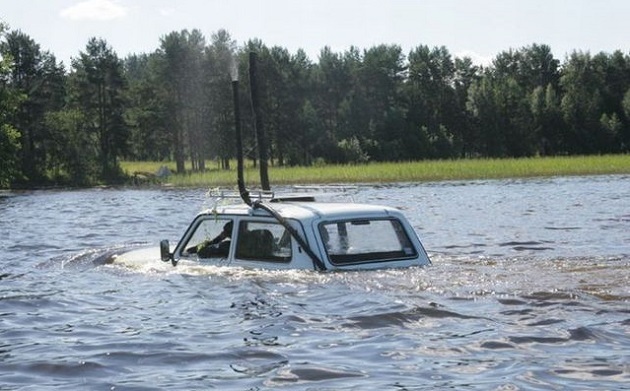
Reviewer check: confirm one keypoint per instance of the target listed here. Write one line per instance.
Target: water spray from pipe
(233, 69)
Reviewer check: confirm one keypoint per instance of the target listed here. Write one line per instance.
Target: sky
(479, 29)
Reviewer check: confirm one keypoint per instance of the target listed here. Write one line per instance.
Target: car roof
(310, 210)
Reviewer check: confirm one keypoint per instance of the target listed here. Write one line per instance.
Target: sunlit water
(529, 290)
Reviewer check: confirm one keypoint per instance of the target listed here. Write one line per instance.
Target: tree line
(75, 125)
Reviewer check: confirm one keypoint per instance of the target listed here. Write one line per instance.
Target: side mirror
(165, 252)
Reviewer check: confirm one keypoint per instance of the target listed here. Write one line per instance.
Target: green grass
(433, 170)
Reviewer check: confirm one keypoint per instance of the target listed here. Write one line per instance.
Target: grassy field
(435, 170)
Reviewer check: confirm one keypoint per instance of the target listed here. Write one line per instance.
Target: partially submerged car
(295, 233)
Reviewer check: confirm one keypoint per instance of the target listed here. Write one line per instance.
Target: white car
(290, 234)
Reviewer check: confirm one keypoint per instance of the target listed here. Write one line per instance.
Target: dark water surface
(529, 290)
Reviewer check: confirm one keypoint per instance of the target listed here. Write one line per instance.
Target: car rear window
(366, 240)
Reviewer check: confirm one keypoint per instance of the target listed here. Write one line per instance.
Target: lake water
(529, 290)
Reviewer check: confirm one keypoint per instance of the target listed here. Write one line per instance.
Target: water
(529, 290)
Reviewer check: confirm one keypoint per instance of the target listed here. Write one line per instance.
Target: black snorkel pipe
(262, 158)
(239, 139)
(244, 193)
(258, 122)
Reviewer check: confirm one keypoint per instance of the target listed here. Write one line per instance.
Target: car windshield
(366, 240)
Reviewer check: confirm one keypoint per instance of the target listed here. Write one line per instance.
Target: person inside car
(217, 247)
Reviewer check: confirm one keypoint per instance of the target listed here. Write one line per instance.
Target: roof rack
(325, 188)
(298, 193)
(235, 196)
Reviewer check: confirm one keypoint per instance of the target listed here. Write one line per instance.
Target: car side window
(264, 241)
(211, 238)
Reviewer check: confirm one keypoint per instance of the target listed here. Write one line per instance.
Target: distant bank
(420, 171)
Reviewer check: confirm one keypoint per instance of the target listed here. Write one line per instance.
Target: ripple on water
(528, 291)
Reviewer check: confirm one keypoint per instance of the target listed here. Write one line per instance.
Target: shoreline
(370, 173)
(422, 171)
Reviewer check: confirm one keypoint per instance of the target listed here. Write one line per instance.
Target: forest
(73, 124)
